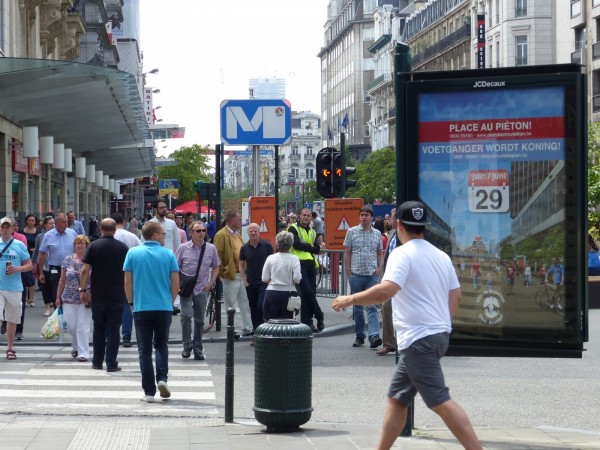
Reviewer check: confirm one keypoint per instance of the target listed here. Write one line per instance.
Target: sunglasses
(199, 231)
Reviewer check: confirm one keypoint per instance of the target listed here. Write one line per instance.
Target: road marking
(89, 372)
(54, 393)
(109, 382)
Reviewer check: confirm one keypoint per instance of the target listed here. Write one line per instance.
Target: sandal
(11, 355)
(74, 354)
(82, 359)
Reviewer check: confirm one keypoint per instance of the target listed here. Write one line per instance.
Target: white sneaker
(163, 388)
(147, 399)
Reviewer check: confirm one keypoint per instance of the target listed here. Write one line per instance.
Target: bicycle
(551, 298)
(211, 309)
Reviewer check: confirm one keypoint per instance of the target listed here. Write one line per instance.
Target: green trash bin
(283, 375)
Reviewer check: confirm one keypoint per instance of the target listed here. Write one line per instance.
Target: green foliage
(593, 177)
(376, 177)
(191, 164)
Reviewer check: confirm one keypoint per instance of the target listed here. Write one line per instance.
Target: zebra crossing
(47, 380)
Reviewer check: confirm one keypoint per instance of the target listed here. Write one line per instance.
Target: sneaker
(147, 399)
(199, 356)
(375, 341)
(113, 369)
(247, 333)
(359, 342)
(163, 388)
(19, 336)
(96, 367)
(126, 342)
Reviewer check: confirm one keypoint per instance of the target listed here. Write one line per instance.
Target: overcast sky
(206, 51)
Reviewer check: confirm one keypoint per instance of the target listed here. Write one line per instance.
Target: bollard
(283, 375)
(229, 367)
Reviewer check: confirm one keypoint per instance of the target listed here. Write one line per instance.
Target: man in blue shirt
(558, 272)
(74, 224)
(14, 258)
(56, 246)
(151, 285)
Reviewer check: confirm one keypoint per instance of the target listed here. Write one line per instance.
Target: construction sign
(340, 215)
(263, 211)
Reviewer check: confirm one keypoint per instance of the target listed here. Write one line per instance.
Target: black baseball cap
(413, 213)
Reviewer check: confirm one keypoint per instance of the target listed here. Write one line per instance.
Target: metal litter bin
(283, 375)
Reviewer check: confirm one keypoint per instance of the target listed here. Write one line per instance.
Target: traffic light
(324, 172)
(338, 167)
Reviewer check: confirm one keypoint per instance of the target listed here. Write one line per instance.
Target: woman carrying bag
(77, 315)
(282, 272)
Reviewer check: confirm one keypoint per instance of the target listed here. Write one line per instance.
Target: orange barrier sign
(263, 211)
(340, 214)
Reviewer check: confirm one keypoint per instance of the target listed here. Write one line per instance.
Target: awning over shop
(94, 110)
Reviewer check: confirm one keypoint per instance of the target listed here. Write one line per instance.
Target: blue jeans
(107, 321)
(127, 322)
(152, 329)
(359, 283)
(193, 307)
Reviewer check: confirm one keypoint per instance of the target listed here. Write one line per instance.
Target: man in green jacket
(228, 241)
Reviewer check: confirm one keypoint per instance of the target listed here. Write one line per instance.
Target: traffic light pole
(343, 176)
(276, 182)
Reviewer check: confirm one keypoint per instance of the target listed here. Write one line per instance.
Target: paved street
(49, 400)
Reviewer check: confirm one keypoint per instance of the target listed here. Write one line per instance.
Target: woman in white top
(281, 272)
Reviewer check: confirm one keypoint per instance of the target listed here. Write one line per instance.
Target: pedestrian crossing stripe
(344, 225)
(263, 226)
(53, 381)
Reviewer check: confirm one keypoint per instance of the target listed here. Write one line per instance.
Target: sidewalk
(85, 433)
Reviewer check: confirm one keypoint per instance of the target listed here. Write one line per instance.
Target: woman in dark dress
(31, 231)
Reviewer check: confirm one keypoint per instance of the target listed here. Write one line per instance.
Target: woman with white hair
(281, 272)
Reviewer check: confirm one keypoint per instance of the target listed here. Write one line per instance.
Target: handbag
(294, 302)
(187, 283)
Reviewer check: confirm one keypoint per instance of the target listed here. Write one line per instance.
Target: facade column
(64, 199)
(38, 209)
(23, 197)
(5, 176)
(47, 190)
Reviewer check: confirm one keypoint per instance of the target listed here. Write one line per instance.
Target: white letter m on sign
(273, 124)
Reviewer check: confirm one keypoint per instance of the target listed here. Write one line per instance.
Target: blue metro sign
(256, 122)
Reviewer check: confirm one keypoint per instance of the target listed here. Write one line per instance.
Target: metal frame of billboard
(499, 156)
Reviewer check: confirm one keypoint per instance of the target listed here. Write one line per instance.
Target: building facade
(68, 130)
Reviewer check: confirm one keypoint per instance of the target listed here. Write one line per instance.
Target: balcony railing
(575, 8)
(381, 79)
(577, 57)
(520, 12)
(463, 33)
(295, 157)
(596, 103)
(521, 61)
(596, 50)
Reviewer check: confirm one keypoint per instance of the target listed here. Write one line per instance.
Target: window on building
(521, 51)
(497, 54)
(309, 151)
(520, 8)
(575, 8)
(310, 173)
(579, 38)
(295, 150)
(595, 3)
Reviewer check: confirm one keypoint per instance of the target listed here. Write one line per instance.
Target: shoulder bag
(294, 302)
(187, 283)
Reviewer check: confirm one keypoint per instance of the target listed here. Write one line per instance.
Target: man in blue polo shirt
(151, 285)
(56, 246)
(14, 258)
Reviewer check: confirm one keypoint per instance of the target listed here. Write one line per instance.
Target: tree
(191, 164)
(376, 177)
(593, 178)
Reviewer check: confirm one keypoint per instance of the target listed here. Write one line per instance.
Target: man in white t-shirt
(130, 240)
(425, 296)
(172, 240)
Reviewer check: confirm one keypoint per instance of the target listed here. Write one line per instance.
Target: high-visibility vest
(309, 238)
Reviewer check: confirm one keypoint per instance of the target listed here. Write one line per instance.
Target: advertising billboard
(498, 159)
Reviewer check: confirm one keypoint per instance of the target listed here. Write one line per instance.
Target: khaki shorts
(11, 306)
